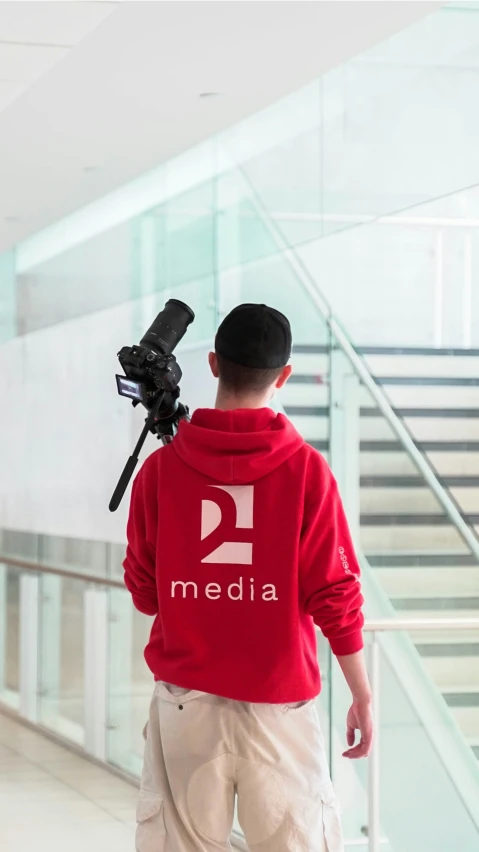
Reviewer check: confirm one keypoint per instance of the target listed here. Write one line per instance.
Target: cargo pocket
(333, 833)
(150, 832)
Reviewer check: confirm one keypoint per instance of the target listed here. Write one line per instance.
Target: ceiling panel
(57, 23)
(9, 90)
(23, 63)
(126, 98)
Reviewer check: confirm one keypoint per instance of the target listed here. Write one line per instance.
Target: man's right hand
(360, 718)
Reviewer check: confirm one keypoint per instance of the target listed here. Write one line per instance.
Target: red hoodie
(238, 544)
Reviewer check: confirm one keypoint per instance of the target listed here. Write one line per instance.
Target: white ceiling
(92, 94)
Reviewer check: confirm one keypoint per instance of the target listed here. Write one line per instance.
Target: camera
(152, 377)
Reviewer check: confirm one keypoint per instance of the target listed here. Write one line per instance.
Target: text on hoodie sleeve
(140, 562)
(329, 570)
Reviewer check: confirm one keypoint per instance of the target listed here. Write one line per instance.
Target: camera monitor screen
(129, 388)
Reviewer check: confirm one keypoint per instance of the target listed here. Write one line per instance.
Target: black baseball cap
(255, 336)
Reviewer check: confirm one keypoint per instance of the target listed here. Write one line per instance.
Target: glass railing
(81, 677)
(416, 752)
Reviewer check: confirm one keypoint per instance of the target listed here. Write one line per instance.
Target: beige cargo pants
(202, 751)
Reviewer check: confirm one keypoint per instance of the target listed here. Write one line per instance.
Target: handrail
(383, 625)
(40, 568)
(371, 626)
(310, 285)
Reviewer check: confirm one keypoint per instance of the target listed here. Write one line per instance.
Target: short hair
(237, 378)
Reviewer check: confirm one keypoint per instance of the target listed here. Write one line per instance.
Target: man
(238, 544)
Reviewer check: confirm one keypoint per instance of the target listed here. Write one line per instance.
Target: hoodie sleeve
(329, 570)
(140, 562)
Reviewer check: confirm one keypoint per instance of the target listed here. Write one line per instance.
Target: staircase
(421, 561)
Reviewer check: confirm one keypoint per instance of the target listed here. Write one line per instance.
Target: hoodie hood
(236, 447)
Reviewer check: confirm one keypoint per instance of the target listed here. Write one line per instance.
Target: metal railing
(40, 568)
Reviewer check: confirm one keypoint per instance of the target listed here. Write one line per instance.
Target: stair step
(409, 351)
(305, 398)
(403, 482)
(453, 459)
(452, 672)
(405, 395)
(459, 697)
(311, 428)
(460, 429)
(422, 364)
(429, 413)
(406, 560)
(428, 381)
(422, 582)
(457, 604)
(413, 519)
(321, 446)
(412, 351)
(399, 538)
(306, 364)
(464, 706)
(426, 446)
(421, 500)
(453, 649)
(420, 637)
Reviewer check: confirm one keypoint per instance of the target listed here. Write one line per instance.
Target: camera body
(147, 373)
(152, 373)
(152, 377)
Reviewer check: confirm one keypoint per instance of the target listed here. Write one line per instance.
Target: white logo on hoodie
(229, 552)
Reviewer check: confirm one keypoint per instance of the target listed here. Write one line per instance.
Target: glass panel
(416, 724)
(10, 636)
(67, 285)
(61, 705)
(279, 152)
(19, 544)
(242, 237)
(185, 237)
(395, 118)
(130, 682)
(406, 280)
(75, 554)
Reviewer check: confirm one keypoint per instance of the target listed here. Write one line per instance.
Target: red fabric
(239, 622)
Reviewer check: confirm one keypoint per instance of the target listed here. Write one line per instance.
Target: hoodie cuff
(343, 646)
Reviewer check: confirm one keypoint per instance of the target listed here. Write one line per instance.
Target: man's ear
(283, 378)
(213, 362)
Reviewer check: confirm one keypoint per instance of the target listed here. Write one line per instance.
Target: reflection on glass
(68, 285)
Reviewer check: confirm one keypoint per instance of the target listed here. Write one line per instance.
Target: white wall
(65, 434)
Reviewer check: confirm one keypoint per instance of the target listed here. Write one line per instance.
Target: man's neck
(229, 401)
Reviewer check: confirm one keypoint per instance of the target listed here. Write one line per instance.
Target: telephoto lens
(168, 328)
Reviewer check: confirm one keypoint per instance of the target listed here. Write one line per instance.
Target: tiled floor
(54, 801)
